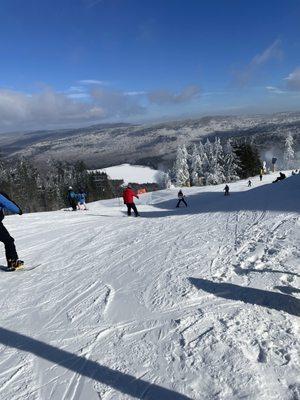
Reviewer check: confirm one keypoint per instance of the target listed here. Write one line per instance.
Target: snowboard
(21, 269)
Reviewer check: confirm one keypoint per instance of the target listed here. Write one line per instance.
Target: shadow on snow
(287, 289)
(245, 271)
(264, 298)
(282, 197)
(122, 382)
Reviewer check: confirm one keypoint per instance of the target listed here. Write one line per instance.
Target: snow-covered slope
(196, 303)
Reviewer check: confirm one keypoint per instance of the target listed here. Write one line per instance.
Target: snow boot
(12, 265)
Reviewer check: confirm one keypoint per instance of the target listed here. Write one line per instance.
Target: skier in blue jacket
(12, 258)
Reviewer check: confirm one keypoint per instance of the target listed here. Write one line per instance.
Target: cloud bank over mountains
(89, 101)
(44, 110)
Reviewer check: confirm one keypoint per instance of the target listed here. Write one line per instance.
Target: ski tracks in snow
(117, 291)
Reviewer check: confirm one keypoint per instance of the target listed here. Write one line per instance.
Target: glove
(20, 212)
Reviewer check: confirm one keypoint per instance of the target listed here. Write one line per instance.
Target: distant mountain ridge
(104, 145)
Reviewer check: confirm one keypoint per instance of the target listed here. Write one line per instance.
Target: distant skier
(280, 177)
(226, 189)
(72, 198)
(12, 258)
(81, 200)
(128, 195)
(249, 183)
(181, 198)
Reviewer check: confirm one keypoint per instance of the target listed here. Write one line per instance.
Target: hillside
(112, 144)
(191, 303)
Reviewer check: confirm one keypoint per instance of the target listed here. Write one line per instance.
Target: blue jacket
(6, 204)
(72, 195)
(81, 197)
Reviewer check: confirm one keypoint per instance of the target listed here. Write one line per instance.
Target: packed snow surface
(132, 173)
(191, 303)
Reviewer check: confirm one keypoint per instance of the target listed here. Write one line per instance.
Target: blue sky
(73, 62)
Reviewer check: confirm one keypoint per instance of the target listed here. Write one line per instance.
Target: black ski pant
(181, 200)
(132, 206)
(73, 204)
(9, 243)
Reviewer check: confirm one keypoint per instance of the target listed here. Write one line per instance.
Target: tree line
(215, 162)
(45, 189)
(209, 163)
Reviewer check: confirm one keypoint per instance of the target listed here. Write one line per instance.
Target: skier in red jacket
(128, 196)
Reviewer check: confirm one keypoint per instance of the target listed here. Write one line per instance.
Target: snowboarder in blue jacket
(12, 258)
(72, 198)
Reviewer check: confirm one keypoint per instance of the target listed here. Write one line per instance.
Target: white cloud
(275, 90)
(81, 105)
(92, 82)
(135, 93)
(167, 97)
(76, 89)
(49, 109)
(272, 52)
(78, 95)
(118, 103)
(293, 80)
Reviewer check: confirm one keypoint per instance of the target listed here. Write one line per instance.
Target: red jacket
(128, 196)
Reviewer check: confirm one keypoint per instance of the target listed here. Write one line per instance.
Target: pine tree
(208, 155)
(196, 164)
(25, 185)
(219, 160)
(180, 172)
(231, 163)
(213, 167)
(289, 153)
(249, 160)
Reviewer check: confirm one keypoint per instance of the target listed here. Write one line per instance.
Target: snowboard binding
(12, 265)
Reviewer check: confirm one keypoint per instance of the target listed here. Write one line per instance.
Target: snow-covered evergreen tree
(196, 166)
(213, 167)
(219, 160)
(201, 152)
(208, 155)
(180, 172)
(231, 163)
(289, 153)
